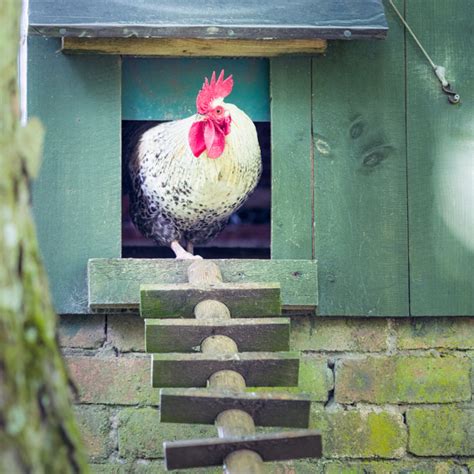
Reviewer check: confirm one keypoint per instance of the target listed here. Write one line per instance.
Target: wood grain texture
(227, 380)
(360, 177)
(271, 447)
(205, 272)
(166, 89)
(194, 405)
(244, 461)
(209, 19)
(218, 345)
(165, 47)
(292, 159)
(211, 309)
(440, 161)
(115, 283)
(77, 197)
(234, 423)
(244, 300)
(259, 369)
(185, 335)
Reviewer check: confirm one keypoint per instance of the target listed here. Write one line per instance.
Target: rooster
(188, 176)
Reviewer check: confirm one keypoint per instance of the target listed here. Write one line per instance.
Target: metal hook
(453, 97)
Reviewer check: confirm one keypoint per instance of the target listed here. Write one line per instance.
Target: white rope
(439, 71)
(417, 41)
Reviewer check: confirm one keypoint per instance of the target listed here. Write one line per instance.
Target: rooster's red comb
(215, 89)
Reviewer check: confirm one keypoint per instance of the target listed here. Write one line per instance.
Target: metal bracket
(453, 97)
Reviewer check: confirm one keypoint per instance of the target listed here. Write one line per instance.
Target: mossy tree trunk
(38, 433)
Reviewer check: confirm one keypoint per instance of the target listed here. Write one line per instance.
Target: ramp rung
(198, 405)
(271, 447)
(186, 335)
(244, 300)
(259, 369)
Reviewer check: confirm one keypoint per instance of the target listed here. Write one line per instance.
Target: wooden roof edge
(260, 33)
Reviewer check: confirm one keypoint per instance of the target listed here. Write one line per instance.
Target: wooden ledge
(178, 47)
(114, 284)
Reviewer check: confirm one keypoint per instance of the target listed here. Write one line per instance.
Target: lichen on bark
(38, 433)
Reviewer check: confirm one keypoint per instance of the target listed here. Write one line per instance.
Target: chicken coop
(362, 214)
(95, 79)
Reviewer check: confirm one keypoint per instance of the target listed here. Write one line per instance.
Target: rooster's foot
(182, 254)
(187, 256)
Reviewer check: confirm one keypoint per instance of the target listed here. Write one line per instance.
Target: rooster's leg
(190, 248)
(180, 253)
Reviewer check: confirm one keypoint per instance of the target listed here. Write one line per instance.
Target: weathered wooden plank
(259, 369)
(244, 300)
(115, 283)
(185, 335)
(194, 405)
(165, 47)
(77, 197)
(360, 177)
(292, 159)
(271, 447)
(166, 89)
(210, 19)
(440, 162)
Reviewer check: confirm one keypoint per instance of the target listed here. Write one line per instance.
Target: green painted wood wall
(77, 197)
(371, 172)
(441, 161)
(360, 177)
(394, 169)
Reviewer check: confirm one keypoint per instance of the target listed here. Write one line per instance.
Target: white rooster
(188, 176)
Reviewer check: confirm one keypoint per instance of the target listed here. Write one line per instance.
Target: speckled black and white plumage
(176, 196)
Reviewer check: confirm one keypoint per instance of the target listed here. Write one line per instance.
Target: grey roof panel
(252, 19)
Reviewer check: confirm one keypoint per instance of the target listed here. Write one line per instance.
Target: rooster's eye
(219, 110)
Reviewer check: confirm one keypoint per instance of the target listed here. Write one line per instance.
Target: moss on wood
(38, 432)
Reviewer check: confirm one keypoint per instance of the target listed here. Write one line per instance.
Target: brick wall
(390, 396)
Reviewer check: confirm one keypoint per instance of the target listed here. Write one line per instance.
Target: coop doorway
(158, 90)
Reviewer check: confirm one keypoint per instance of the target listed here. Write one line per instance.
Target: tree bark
(38, 433)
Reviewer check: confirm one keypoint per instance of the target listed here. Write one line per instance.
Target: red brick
(339, 334)
(126, 332)
(113, 380)
(441, 431)
(141, 435)
(94, 424)
(360, 433)
(83, 331)
(403, 379)
(427, 333)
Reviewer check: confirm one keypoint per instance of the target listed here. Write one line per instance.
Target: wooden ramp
(237, 338)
